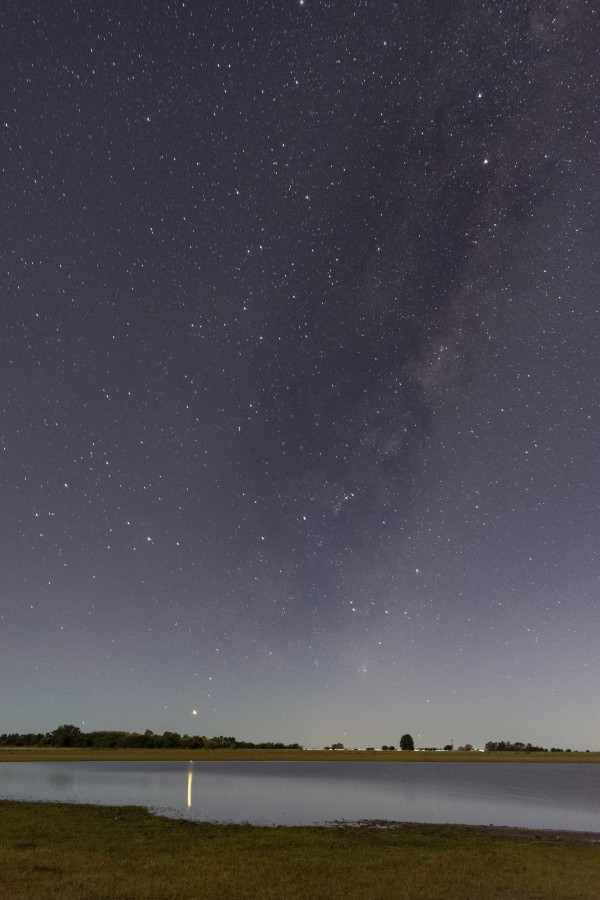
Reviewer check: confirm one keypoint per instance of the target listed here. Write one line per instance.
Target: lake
(528, 795)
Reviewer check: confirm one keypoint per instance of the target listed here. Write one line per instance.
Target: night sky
(300, 414)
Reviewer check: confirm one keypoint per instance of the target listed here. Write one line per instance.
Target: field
(67, 754)
(61, 851)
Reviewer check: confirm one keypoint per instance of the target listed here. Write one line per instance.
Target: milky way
(299, 327)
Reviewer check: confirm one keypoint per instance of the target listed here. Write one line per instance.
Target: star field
(299, 319)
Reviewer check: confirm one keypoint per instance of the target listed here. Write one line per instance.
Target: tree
(406, 742)
(66, 736)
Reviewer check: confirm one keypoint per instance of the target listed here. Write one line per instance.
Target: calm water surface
(529, 795)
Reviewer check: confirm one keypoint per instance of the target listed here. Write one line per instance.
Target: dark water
(529, 795)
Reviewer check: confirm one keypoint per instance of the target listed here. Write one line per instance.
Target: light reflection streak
(189, 788)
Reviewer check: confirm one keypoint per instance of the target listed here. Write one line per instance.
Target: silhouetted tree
(406, 742)
(66, 736)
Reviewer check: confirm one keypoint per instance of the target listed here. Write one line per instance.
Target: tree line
(72, 736)
(520, 747)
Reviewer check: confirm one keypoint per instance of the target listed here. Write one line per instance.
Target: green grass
(66, 754)
(104, 853)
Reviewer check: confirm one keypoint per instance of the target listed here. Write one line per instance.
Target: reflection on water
(63, 781)
(530, 795)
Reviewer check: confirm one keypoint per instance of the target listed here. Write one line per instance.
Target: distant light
(194, 712)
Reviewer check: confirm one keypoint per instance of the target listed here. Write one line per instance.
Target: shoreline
(431, 829)
(82, 754)
(514, 832)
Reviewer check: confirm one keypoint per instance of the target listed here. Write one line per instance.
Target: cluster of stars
(300, 352)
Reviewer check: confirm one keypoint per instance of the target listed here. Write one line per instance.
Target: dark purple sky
(300, 377)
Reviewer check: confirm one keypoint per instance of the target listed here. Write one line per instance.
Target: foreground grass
(68, 754)
(106, 853)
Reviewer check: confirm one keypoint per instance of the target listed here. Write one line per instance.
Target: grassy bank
(56, 850)
(68, 754)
